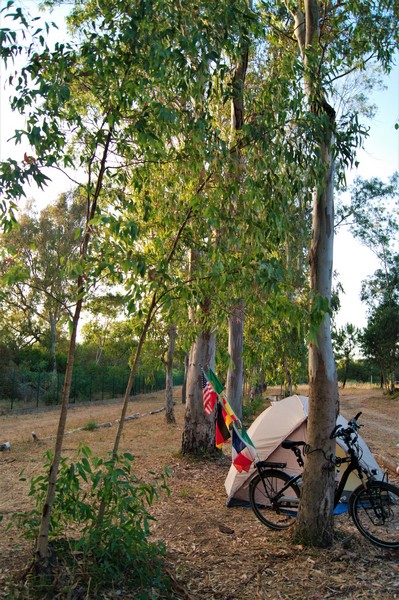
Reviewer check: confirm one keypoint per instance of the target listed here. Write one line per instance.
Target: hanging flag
(219, 387)
(209, 396)
(222, 431)
(227, 418)
(216, 383)
(228, 408)
(243, 450)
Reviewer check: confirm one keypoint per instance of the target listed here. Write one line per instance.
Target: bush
(251, 409)
(101, 549)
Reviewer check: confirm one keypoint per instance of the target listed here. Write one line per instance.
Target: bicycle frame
(353, 465)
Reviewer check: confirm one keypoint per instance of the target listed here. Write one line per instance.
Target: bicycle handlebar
(340, 431)
(354, 420)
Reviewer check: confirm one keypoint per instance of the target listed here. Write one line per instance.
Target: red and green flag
(219, 387)
(216, 383)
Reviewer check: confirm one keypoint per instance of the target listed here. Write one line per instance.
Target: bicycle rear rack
(264, 464)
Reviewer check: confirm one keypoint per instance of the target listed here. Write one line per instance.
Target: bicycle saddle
(288, 444)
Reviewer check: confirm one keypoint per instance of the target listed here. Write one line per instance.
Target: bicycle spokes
(375, 512)
(377, 504)
(274, 499)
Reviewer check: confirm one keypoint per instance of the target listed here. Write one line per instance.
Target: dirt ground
(213, 552)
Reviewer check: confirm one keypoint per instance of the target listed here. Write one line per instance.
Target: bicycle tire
(276, 510)
(375, 512)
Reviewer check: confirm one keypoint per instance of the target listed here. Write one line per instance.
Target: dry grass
(208, 560)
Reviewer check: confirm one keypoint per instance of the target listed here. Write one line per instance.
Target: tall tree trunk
(42, 550)
(235, 371)
(346, 371)
(236, 368)
(156, 297)
(259, 384)
(288, 378)
(53, 343)
(133, 371)
(170, 413)
(184, 386)
(199, 429)
(315, 519)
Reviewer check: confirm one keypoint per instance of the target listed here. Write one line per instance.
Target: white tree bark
(235, 373)
(199, 429)
(236, 368)
(315, 520)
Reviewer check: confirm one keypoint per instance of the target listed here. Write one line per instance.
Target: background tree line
(34, 302)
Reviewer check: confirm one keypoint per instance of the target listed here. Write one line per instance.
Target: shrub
(251, 409)
(90, 426)
(101, 550)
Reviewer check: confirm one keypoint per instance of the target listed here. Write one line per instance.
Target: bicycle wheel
(274, 499)
(375, 512)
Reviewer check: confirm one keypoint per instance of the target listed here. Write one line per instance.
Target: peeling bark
(236, 368)
(199, 429)
(235, 373)
(315, 519)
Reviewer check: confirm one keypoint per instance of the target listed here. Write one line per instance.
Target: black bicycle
(373, 505)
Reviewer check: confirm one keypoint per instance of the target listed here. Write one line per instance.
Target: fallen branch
(94, 426)
(99, 426)
(138, 415)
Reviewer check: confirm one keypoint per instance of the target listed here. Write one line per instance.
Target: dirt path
(380, 417)
(214, 552)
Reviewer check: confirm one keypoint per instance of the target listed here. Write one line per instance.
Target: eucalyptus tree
(380, 341)
(383, 285)
(36, 285)
(333, 39)
(345, 341)
(371, 215)
(259, 187)
(235, 373)
(172, 208)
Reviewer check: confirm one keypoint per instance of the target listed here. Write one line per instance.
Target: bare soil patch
(212, 551)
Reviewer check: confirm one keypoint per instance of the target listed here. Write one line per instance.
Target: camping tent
(285, 419)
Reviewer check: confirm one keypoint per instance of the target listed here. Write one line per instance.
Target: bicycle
(373, 506)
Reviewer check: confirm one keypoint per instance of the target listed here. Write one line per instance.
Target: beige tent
(283, 420)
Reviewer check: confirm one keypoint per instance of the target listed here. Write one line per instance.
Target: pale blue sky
(380, 158)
